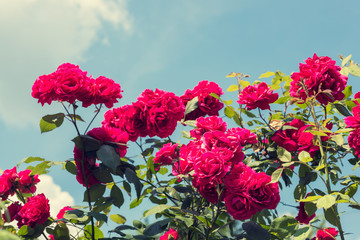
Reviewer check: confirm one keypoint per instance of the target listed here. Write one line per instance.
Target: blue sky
(152, 44)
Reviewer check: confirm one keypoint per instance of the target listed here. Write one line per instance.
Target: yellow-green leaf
(233, 88)
(267, 74)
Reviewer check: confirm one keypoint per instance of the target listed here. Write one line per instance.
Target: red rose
(188, 155)
(353, 121)
(354, 140)
(107, 91)
(264, 195)
(208, 124)
(322, 79)
(8, 183)
(13, 211)
(327, 234)
(171, 234)
(70, 81)
(302, 216)
(89, 166)
(208, 105)
(166, 155)
(208, 191)
(27, 182)
(257, 96)
(239, 205)
(162, 111)
(44, 89)
(35, 211)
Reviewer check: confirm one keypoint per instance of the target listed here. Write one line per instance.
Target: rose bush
(226, 176)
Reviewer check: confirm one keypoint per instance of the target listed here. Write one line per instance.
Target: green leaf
(191, 105)
(244, 84)
(267, 74)
(70, 167)
(117, 196)
(157, 227)
(133, 178)
(228, 102)
(233, 88)
(50, 122)
(305, 157)
(157, 209)
(25, 230)
(75, 117)
(354, 70)
(87, 143)
(119, 219)
(330, 216)
(109, 157)
(346, 60)
(352, 190)
(282, 100)
(30, 160)
(283, 154)
(191, 123)
(347, 91)
(310, 208)
(342, 109)
(310, 199)
(284, 226)
(299, 192)
(326, 201)
(214, 95)
(96, 191)
(318, 133)
(276, 175)
(339, 139)
(302, 233)
(136, 202)
(229, 112)
(97, 232)
(98, 216)
(103, 174)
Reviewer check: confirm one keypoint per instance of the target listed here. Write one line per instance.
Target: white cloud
(39, 35)
(58, 199)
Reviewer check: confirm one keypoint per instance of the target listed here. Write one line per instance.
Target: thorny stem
(262, 118)
(216, 216)
(97, 112)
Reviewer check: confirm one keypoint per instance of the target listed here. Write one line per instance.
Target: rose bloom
(13, 210)
(257, 96)
(35, 211)
(188, 155)
(171, 234)
(208, 105)
(205, 124)
(44, 89)
(62, 212)
(162, 111)
(239, 205)
(302, 216)
(166, 155)
(319, 74)
(327, 234)
(209, 190)
(89, 166)
(8, 183)
(354, 140)
(353, 121)
(27, 182)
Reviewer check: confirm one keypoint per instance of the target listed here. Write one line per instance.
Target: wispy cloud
(38, 35)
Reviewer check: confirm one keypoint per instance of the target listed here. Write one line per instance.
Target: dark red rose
(35, 211)
(8, 183)
(13, 211)
(302, 216)
(353, 121)
(44, 89)
(208, 191)
(354, 140)
(239, 205)
(322, 79)
(257, 96)
(188, 155)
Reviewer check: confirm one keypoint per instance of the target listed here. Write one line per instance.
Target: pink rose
(107, 91)
(322, 79)
(353, 121)
(327, 234)
(257, 96)
(44, 89)
(188, 155)
(208, 124)
(354, 140)
(208, 105)
(35, 211)
(166, 155)
(171, 234)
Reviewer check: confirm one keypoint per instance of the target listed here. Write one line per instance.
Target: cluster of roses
(36, 209)
(69, 83)
(214, 159)
(156, 113)
(103, 135)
